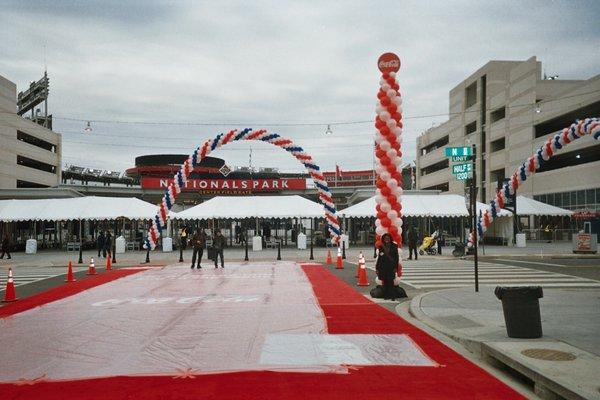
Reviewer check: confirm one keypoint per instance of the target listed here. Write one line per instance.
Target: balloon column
(179, 180)
(388, 140)
(588, 126)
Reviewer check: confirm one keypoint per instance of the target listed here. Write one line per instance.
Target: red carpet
(347, 312)
(62, 291)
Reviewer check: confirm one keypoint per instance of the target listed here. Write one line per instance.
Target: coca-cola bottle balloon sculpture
(388, 152)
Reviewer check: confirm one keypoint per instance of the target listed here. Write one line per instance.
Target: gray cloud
(270, 62)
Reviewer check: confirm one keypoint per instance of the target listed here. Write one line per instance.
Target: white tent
(240, 207)
(527, 206)
(419, 205)
(84, 208)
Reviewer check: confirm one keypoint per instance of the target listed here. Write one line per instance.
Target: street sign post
(459, 151)
(460, 168)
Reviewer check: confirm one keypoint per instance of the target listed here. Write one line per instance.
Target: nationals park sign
(224, 185)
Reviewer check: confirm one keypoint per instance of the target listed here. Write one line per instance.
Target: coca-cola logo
(388, 62)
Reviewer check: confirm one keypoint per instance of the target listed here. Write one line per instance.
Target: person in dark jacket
(198, 242)
(100, 241)
(387, 265)
(107, 245)
(6, 247)
(412, 243)
(184, 237)
(219, 243)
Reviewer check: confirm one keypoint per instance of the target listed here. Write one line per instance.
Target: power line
(293, 124)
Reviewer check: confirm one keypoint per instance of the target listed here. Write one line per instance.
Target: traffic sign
(459, 168)
(459, 151)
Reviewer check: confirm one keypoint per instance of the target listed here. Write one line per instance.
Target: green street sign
(460, 158)
(459, 168)
(459, 151)
(463, 176)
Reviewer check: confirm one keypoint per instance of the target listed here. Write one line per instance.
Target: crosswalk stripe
(449, 275)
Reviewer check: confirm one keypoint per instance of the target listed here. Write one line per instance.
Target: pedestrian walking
(440, 241)
(100, 242)
(219, 243)
(107, 245)
(198, 242)
(412, 243)
(387, 265)
(6, 247)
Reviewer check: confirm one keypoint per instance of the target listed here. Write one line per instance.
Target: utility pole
(474, 213)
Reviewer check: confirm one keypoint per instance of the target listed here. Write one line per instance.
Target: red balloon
(378, 243)
(385, 191)
(391, 168)
(397, 117)
(397, 207)
(381, 94)
(396, 87)
(385, 101)
(385, 161)
(385, 222)
(380, 184)
(386, 76)
(378, 207)
(380, 153)
(392, 108)
(379, 123)
(385, 130)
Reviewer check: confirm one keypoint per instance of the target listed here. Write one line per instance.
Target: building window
(471, 95)
(434, 167)
(578, 157)
(435, 145)
(498, 114)
(497, 175)
(28, 162)
(25, 184)
(472, 127)
(559, 123)
(27, 138)
(444, 187)
(497, 145)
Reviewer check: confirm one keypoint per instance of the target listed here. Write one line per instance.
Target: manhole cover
(548, 355)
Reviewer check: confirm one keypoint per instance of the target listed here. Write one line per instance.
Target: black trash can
(521, 307)
(211, 253)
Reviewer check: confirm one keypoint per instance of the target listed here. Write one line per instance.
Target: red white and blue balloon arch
(179, 180)
(588, 126)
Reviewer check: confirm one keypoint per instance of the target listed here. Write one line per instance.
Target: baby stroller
(428, 244)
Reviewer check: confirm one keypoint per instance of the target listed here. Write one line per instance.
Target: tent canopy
(420, 205)
(527, 206)
(85, 208)
(240, 207)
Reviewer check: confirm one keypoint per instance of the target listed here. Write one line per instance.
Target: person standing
(100, 242)
(198, 242)
(107, 245)
(183, 237)
(412, 243)
(6, 247)
(440, 240)
(219, 244)
(387, 265)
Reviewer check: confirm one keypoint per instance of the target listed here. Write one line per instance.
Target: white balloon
(391, 153)
(397, 131)
(392, 75)
(385, 116)
(391, 93)
(392, 184)
(380, 230)
(399, 110)
(390, 123)
(386, 176)
(379, 108)
(379, 199)
(377, 222)
(392, 215)
(399, 225)
(385, 207)
(385, 145)
(398, 100)
(384, 85)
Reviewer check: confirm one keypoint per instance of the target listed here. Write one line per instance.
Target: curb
(414, 308)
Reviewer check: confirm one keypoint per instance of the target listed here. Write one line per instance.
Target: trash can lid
(535, 292)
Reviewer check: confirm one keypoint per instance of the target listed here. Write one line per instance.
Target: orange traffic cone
(360, 256)
(362, 272)
(10, 294)
(70, 277)
(108, 264)
(338, 263)
(329, 260)
(92, 267)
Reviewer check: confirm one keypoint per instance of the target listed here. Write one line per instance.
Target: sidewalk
(570, 322)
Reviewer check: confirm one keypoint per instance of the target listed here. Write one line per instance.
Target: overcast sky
(269, 63)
